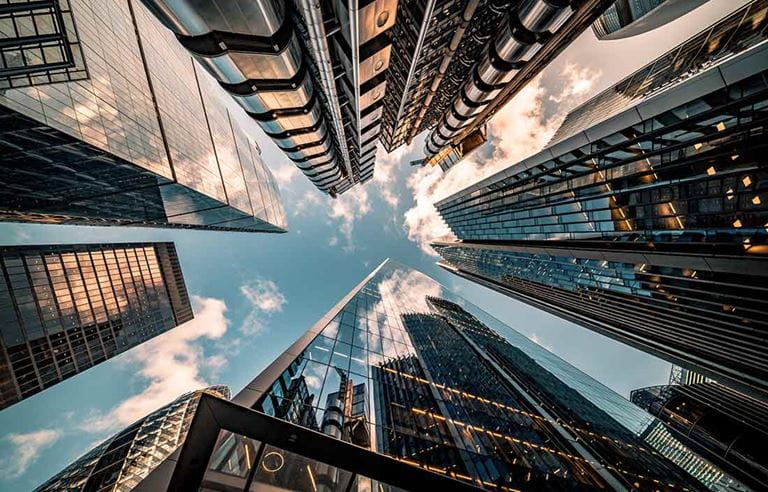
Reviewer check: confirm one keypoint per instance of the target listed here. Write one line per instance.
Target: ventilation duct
(516, 42)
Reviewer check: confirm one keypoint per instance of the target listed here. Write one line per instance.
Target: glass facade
(119, 463)
(149, 138)
(405, 368)
(65, 308)
(625, 18)
(40, 44)
(726, 427)
(649, 227)
(737, 32)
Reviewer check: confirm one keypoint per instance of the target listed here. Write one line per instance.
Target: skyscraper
(497, 48)
(121, 127)
(123, 460)
(65, 308)
(405, 369)
(727, 427)
(328, 80)
(627, 18)
(645, 218)
(312, 74)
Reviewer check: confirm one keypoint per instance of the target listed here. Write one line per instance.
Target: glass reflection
(412, 371)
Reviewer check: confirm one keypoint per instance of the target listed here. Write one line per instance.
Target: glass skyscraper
(727, 427)
(128, 130)
(123, 460)
(627, 18)
(645, 219)
(403, 368)
(65, 308)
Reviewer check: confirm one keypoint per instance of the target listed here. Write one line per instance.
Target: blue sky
(256, 293)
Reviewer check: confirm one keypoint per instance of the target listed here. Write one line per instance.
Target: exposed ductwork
(466, 16)
(283, 71)
(525, 27)
(257, 57)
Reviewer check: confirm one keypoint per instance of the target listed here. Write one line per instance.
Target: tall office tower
(626, 18)
(106, 120)
(65, 308)
(464, 76)
(413, 373)
(312, 74)
(645, 219)
(123, 460)
(727, 427)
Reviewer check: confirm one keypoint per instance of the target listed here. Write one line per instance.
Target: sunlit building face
(65, 308)
(133, 133)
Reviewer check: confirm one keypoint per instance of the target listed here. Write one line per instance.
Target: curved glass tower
(626, 18)
(123, 460)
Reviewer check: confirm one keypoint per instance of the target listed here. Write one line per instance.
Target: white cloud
(519, 129)
(578, 82)
(264, 295)
(307, 202)
(171, 363)
(333, 241)
(384, 175)
(347, 209)
(537, 340)
(26, 449)
(265, 299)
(284, 173)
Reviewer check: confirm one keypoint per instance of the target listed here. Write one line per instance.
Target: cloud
(537, 340)
(519, 129)
(347, 209)
(577, 82)
(307, 202)
(265, 299)
(385, 172)
(284, 173)
(26, 449)
(171, 363)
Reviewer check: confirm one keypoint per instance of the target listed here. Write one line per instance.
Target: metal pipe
(516, 40)
(257, 57)
(466, 16)
(318, 40)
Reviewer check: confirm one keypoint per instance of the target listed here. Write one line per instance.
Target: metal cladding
(523, 31)
(312, 76)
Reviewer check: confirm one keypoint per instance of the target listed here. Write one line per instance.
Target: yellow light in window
(720, 126)
(734, 157)
(746, 180)
(698, 145)
(711, 170)
(756, 200)
(312, 478)
(737, 223)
